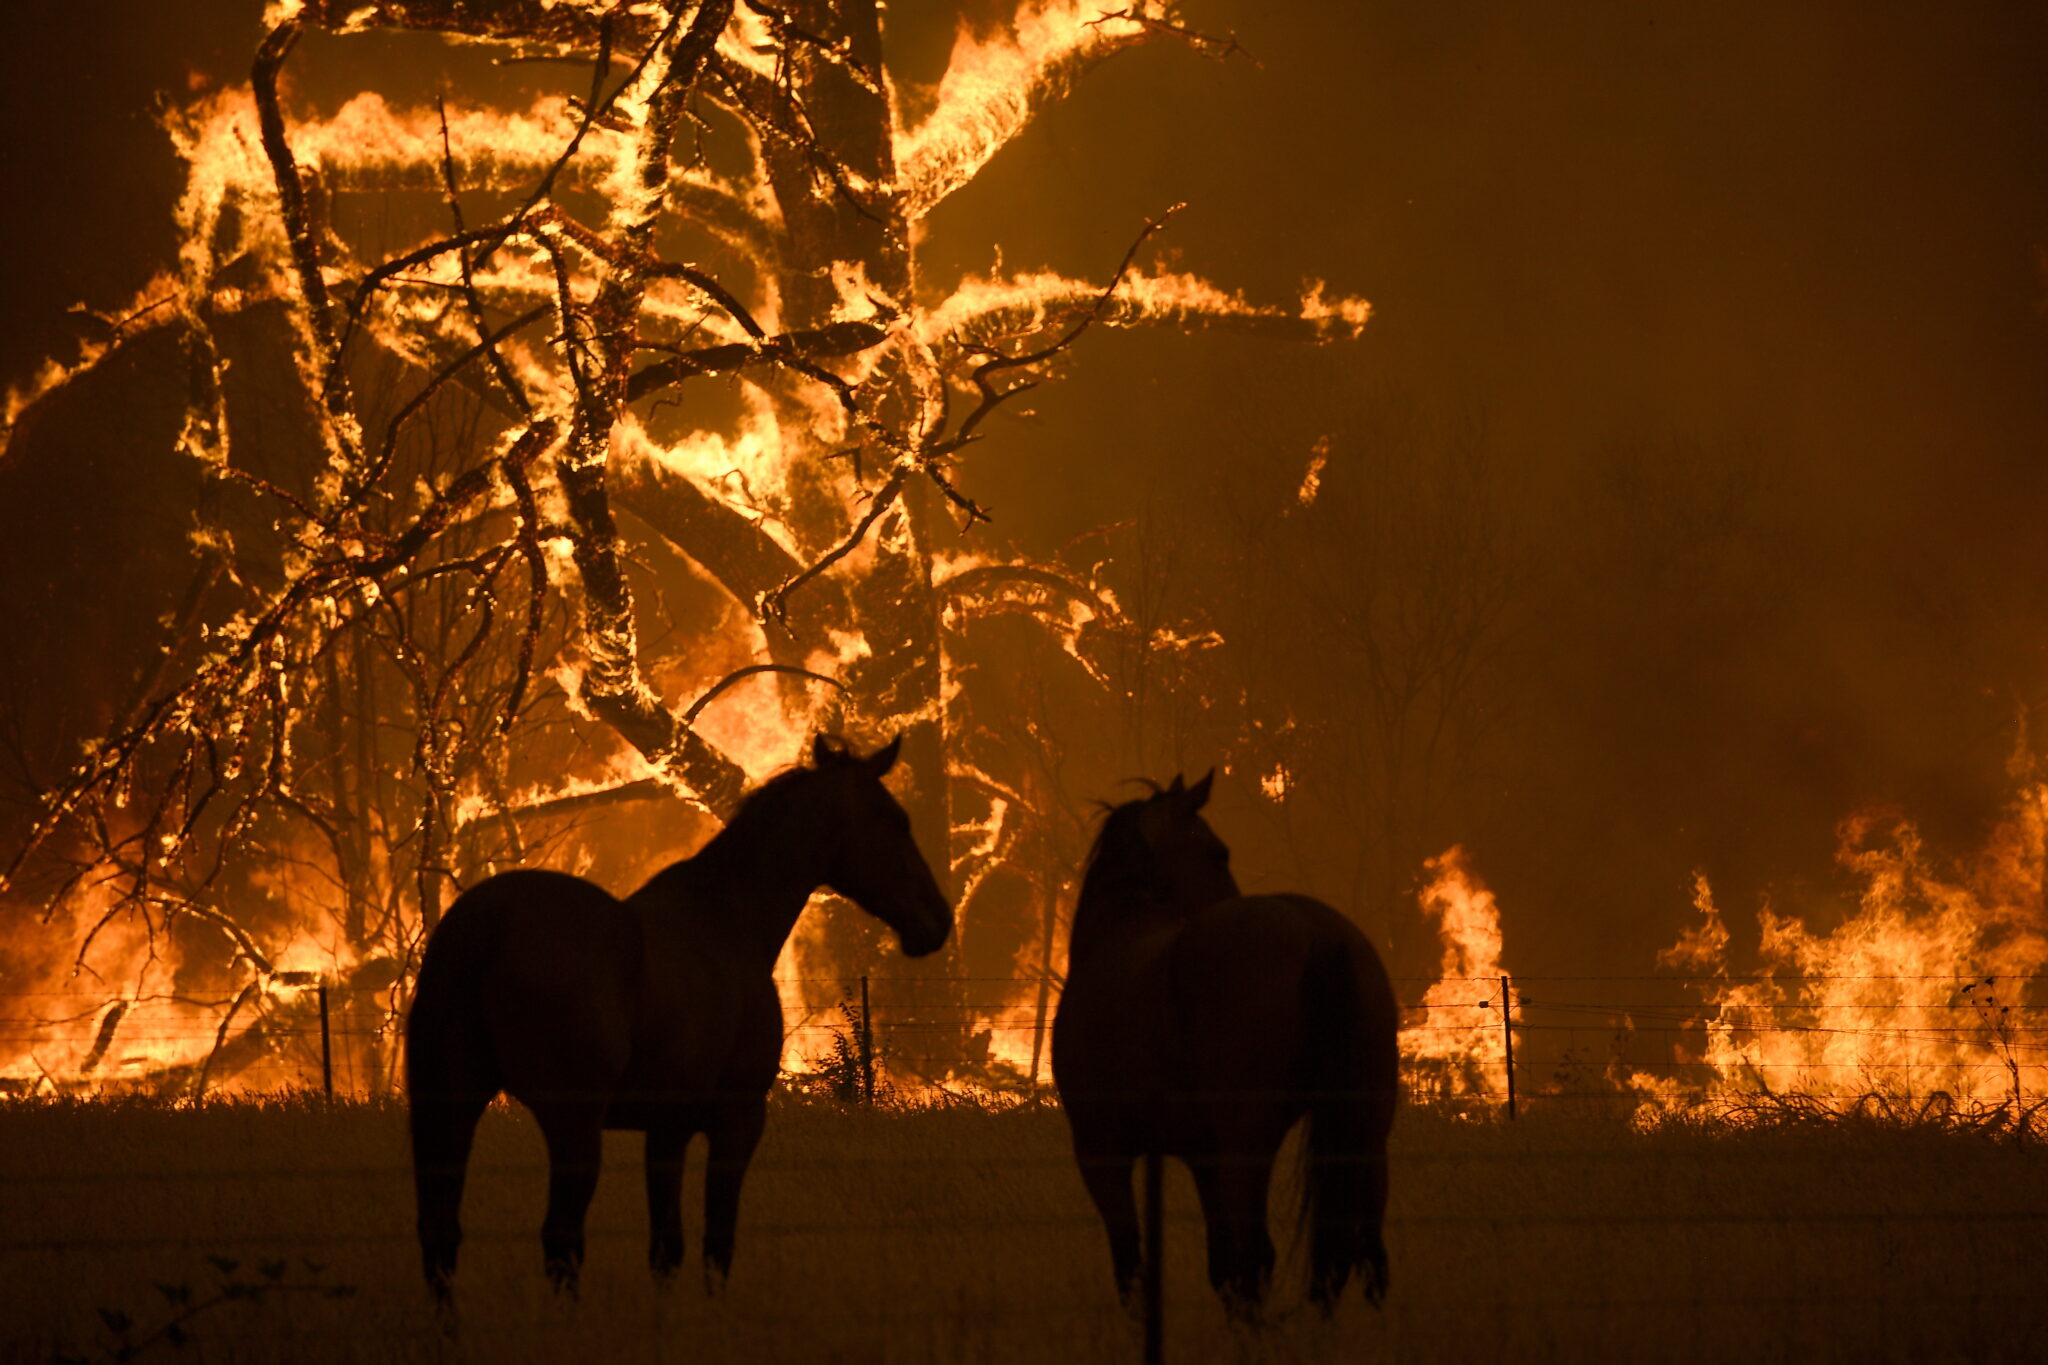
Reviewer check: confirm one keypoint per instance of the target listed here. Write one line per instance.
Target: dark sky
(1751, 295)
(1787, 257)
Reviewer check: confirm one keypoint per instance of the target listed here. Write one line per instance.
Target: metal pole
(1155, 1255)
(867, 1047)
(1507, 1031)
(326, 1048)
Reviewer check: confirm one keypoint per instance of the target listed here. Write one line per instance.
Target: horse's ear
(823, 751)
(884, 758)
(1179, 785)
(1198, 795)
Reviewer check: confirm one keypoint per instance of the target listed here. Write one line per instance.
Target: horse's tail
(1344, 1157)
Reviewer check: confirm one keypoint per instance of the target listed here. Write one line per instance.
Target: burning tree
(483, 544)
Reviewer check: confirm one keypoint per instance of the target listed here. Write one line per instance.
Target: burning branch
(993, 89)
(352, 669)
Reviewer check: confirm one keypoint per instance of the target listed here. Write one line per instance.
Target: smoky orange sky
(1749, 300)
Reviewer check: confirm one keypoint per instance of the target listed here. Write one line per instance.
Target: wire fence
(1913, 1038)
(1696, 1241)
(1524, 1243)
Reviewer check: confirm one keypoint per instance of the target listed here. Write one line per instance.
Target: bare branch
(337, 406)
(740, 675)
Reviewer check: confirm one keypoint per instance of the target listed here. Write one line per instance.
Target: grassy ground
(964, 1235)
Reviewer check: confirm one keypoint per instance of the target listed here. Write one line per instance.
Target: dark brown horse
(657, 1013)
(1200, 1023)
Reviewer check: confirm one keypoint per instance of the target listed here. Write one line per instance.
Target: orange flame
(1926, 992)
(1457, 1047)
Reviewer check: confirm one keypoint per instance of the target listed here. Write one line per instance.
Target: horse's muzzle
(924, 940)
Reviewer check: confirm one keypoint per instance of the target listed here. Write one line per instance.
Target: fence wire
(1915, 1049)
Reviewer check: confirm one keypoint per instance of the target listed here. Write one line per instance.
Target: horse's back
(1258, 985)
(1111, 1027)
(543, 966)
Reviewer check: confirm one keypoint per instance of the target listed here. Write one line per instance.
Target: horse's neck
(747, 886)
(1105, 921)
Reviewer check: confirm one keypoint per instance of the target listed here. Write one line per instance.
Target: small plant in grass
(848, 1072)
(1997, 1021)
(130, 1337)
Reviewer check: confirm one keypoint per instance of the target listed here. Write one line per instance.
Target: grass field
(962, 1234)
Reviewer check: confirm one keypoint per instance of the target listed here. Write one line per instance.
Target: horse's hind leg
(1375, 1225)
(1244, 1177)
(734, 1134)
(575, 1137)
(668, 1142)
(443, 1126)
(1215, 1221)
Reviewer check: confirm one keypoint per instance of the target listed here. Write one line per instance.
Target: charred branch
(747, 562)
(833, 339)
(776, 605)
(305, 237)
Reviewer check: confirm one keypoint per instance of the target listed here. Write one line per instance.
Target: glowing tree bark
(765, 139)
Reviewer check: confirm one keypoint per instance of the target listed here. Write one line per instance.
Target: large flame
(1456, 1047)
(1926, 992)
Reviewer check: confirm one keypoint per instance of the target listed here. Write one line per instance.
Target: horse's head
(1193, 864)
(873, 860)
(1159, 847)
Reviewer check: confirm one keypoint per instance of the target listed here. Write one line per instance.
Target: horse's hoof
(443, 1295)
(1245, 1307)
(715, 1278)
(664, 1259)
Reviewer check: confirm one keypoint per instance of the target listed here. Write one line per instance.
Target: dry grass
(962, 1234)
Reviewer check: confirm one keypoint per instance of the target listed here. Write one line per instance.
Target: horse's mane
(761, 799)
(787, 775)
(1119, 863)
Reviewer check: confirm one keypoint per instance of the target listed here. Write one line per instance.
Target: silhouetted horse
(658, 1012)
(1201, 1023)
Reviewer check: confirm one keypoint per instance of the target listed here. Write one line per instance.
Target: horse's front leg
(734, 1132)
(1107, 1175)
(575, 1137)
(668, 1143)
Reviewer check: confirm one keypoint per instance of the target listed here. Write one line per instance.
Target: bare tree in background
(1371, 630)
(399, 643)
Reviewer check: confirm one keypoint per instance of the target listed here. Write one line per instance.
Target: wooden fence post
(1507, 1030)
(867, 1047)
(326, 1047)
